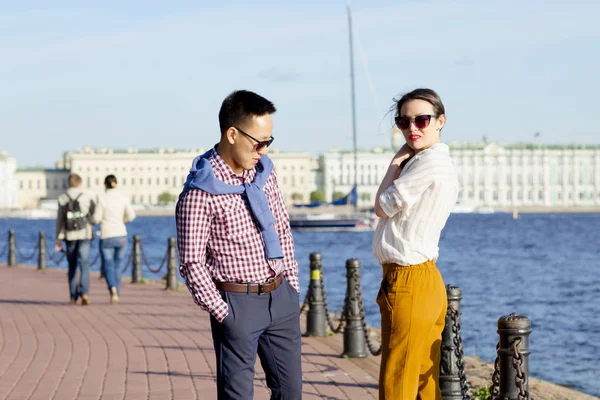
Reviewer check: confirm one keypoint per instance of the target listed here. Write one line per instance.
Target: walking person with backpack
(74, 228)
(112, 212)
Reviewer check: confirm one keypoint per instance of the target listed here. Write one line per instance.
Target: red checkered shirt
(218, 239)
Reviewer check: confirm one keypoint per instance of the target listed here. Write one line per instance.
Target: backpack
(74, 218)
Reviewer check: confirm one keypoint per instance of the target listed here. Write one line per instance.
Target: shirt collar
(224, 171)
(436, 148)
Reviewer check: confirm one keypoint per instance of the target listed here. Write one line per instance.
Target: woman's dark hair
(427, 95)
(110, 182)
(240, 106)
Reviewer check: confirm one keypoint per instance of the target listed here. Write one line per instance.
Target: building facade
(37, 184)
(490, 176)
(8, 182)
(144, 175)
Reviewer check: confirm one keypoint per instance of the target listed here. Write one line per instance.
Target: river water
(543, 266)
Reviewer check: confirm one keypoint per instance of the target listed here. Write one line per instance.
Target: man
(237, 253)
(73, 227)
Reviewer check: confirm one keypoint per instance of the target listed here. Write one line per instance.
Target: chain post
(354, 335)
(513, 354)
(42, 253)
(449, 376)
(12, 249)
(136, 268)
(316, 320)
(171, 266)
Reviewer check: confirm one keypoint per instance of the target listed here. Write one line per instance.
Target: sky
(151, 74)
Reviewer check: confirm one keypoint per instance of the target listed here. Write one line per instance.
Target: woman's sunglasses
(259, 145)
(420, 121)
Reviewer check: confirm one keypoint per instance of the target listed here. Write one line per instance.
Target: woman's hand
(402, 155)
(393, 172)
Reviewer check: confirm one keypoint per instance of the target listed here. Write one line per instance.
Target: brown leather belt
(259, 288)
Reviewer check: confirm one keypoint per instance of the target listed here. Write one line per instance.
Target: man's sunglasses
(420, 121)
(259, 145)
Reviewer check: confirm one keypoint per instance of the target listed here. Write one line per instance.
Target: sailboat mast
(353, 105)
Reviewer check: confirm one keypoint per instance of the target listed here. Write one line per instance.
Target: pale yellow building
(144, 175)
(37, 184)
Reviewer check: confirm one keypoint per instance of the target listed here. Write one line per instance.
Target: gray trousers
(267, 324)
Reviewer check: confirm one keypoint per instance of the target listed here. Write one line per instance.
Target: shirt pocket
(237, 218)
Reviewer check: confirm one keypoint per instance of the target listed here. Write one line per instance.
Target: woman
(112, 211)
(414, 201)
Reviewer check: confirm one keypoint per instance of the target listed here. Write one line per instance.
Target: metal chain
(521, 376)
(343, 314)
(162, 263)
(306, 299)
(459, 353)
(4, 250)
(51, 257)
(495, 387)
(24, 258)
(56, 261)
(363, 320)
(129, 262)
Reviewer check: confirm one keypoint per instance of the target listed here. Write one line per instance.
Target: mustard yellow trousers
(413, 306)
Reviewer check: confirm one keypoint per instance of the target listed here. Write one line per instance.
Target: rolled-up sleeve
(193, 217)
(408, 188)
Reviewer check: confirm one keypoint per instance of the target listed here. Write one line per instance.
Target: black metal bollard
(513, 354)
(171, 266)
(136, 267)
(354, 334)
(42, 253)
(449, 378)
(316, 320)
(12, 249)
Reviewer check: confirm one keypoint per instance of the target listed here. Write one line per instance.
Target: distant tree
(296, 196)
(317, 196)
(337, 195)
(166, 198)
(364, 196)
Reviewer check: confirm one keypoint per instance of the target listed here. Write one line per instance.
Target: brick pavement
(154, 344)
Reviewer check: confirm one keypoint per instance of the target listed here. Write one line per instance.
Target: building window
(124, 181)
(97, 181)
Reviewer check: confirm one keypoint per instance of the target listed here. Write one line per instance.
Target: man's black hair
(240, 106)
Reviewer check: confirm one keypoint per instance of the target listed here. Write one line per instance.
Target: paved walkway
(154, 344)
